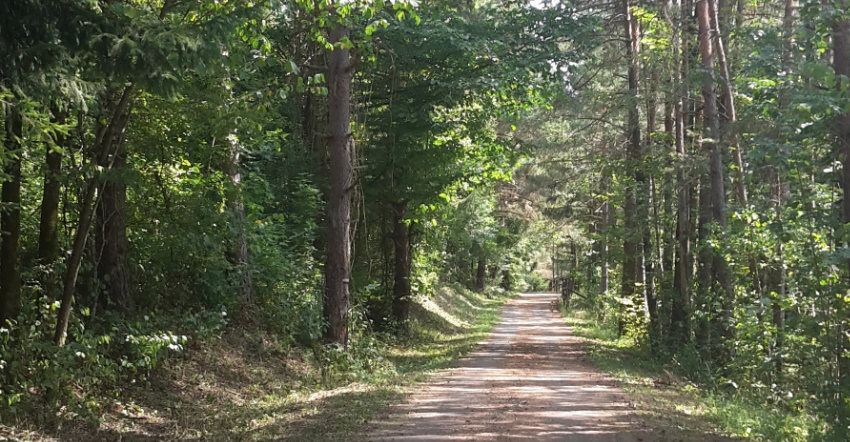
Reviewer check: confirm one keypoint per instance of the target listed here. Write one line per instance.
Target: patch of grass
(681, 409)
(248, 385)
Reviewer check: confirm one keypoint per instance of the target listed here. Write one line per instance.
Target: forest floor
(247, 385)
(529, 380)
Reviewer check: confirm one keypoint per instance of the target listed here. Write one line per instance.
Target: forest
(293, 180)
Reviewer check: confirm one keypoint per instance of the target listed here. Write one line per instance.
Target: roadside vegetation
(678, 398)
(241, 383)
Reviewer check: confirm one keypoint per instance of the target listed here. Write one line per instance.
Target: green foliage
(684, 409)
(78, 376)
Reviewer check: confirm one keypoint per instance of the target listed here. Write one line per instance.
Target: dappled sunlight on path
(527, 381)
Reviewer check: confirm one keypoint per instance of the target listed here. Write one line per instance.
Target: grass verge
(680, 409)
(246, 385)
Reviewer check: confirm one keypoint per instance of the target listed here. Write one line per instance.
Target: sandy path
(527, 381)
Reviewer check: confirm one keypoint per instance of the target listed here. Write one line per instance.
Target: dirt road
(527, 381)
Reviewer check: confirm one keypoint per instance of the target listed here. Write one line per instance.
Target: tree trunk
(506, 279)
(48, 231)
(338, 267)
(401, 285)
(10, 220)
(841, 64)
(648, 199)
(680, 324)
(775, 280)
(240, 247)
(112, 243)
(107, 137)
(604, 231)
(729, 118)
(714, 193)
(632, 240)
(481, 272)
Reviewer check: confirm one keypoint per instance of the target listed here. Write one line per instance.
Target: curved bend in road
(527, 381)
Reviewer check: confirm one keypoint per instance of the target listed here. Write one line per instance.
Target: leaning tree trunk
(401, 283)
(728, 122)
(338, 267)
(10, 220)
(107, 137)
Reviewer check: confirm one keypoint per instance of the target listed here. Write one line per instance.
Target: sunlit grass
(442, 330)
(666, 400)
(323, 407)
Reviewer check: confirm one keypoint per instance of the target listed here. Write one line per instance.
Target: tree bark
(776, 279)
(107, 137)
(111, 225)
(10, 220)
(648, 200)
(338, 267)
(632, 240)
(401, 284)
(240, 246)
(729, 117)
(841, 64)
(48, 231)
(506, 284)
(680, 324)
(713, 198)
(603, 248)
(481, 272)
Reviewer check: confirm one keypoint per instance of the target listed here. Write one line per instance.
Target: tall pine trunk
(715, 272)
(48, 230)
(481, 272)
(112, 244)
(775, 278)
(338, 266)
(10, 220)
(680, 324)
(729, 117)
(401, 283)
(841, 64)
(649, 200)
(239, 251)
(632, 273)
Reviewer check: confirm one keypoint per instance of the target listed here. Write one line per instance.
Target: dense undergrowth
(238, 382)
(681, 397)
